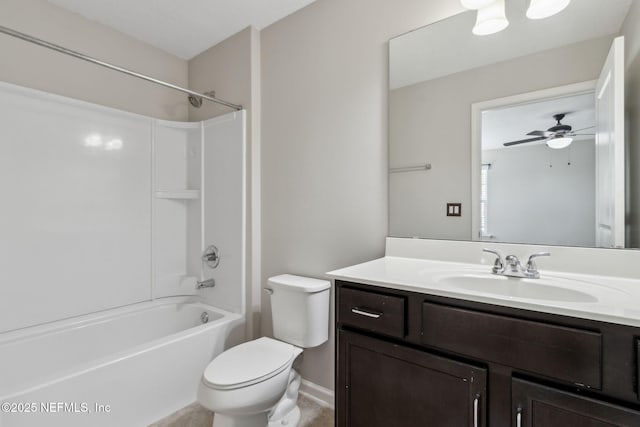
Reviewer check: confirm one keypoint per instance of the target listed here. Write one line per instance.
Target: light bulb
(491, 19)
(560, 142)
(539, 9)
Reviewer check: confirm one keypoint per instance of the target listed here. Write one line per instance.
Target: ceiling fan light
(491, 19)
(559, 142)
(539, 9)
(475, 4)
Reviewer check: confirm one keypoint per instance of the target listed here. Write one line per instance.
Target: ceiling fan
(557, 136)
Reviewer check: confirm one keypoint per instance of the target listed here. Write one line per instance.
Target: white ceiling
(183, 28)
(448, 46)
(514, 122)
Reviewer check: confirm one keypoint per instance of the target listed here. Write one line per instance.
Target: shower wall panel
(103, 208)
(75, 223)
(224, 209)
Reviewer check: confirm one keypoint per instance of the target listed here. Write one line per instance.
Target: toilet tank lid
(299, 283)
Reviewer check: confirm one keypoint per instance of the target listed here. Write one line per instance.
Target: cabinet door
(383, 384)
(539, 406)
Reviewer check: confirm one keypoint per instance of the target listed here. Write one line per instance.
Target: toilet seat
(249, 363)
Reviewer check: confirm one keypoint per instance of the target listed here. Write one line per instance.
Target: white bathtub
(129, 366)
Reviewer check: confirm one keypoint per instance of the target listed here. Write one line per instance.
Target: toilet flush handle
(268, 290)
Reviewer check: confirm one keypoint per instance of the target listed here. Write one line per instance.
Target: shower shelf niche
(177, 207)
(178, 194)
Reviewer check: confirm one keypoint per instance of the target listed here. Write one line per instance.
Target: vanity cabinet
(410, 359)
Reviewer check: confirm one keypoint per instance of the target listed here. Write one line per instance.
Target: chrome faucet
(512, 267)
(209, 283)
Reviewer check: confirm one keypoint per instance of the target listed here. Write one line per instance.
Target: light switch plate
(454, 209)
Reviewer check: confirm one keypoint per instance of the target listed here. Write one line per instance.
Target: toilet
(253, 384)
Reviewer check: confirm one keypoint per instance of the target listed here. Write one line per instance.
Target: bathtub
(129, 366)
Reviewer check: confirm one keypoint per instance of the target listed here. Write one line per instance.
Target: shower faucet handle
(211, 256)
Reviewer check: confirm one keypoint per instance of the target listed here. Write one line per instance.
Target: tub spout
(209, 283)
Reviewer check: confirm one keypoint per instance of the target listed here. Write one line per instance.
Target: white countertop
(615, 299)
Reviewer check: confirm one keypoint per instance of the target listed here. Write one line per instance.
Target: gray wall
(324, 139)
(32, 66)
(428, 124)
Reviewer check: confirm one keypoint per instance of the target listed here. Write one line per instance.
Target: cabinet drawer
(567, 354)
(372, 311)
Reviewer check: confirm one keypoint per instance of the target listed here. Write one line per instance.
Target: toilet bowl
(254, 384)
(247, 381)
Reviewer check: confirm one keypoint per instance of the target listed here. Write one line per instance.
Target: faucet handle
(498, 265)
(532, 269)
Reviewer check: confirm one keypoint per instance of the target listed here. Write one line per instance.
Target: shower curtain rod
(43, 43)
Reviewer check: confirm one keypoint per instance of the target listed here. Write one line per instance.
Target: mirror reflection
(528, 129)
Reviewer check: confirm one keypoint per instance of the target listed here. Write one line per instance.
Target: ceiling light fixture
(539, 9)
(475, 4)
(491, 19)
(559, 142)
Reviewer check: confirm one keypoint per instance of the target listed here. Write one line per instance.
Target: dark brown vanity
(412, 359)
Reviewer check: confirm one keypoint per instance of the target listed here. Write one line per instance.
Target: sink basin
(554, 289)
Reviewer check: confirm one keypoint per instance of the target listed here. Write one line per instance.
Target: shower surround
(108, 210)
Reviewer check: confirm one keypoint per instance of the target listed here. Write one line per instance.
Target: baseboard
(323, 396)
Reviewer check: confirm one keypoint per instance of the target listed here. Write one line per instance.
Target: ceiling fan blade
(583, 134)
(523, 141)
(544, 133)
(578, 130)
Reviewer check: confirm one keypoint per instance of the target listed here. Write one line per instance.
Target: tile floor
(313, 415)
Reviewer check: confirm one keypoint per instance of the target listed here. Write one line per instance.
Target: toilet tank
(300, 309)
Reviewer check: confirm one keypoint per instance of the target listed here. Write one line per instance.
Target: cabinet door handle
(367, 313)
(476, 411)
(519, 418)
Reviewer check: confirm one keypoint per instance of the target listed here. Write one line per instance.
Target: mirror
(455, 99)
